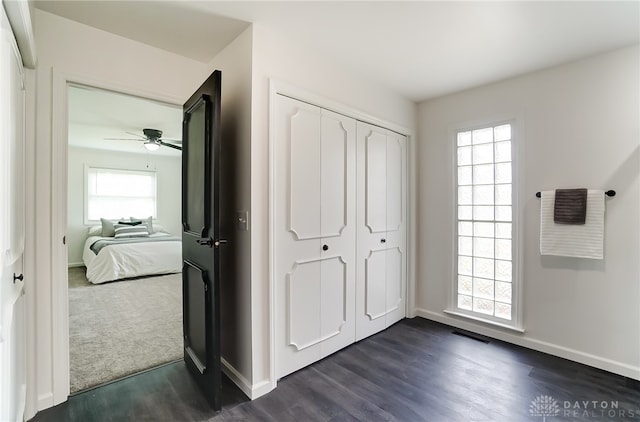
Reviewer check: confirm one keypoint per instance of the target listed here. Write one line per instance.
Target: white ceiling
(419, 49)
(96, 114)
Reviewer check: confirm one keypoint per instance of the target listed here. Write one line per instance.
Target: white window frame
(87, 169)
(517, 152)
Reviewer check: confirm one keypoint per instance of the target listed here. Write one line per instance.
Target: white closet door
(314, 233)
(381, 233)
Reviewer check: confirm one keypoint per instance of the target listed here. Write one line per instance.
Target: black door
(201, 236)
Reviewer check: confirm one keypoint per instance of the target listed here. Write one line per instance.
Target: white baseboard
(253, 391)
(45, 401)
(75, 264)
(541, 346)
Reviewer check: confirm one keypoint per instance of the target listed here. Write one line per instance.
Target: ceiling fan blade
(123, 139)
(144, 138)
(171, 146)
(174, 141)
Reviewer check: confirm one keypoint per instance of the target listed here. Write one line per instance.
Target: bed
(110, 259)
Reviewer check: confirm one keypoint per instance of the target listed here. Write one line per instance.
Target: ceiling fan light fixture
(151, 145)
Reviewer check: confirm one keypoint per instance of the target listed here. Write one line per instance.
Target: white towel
(575, 240)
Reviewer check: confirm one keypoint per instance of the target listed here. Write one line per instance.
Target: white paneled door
(314, 233)
(381, 233)
(12, 312)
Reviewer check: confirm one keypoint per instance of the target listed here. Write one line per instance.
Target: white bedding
(132, 259)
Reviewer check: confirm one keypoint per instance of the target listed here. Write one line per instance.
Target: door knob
(220, 242)
(17, 277)
(325, 247)
(383, 240)
(204, 241)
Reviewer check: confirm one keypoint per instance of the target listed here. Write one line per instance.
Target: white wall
(80, 52)
(580, 128)
(285, 60)
(168, 179)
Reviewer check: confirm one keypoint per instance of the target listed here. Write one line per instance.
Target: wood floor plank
(416, 370)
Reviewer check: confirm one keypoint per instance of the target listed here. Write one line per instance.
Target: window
(114, 194)
(484, 282)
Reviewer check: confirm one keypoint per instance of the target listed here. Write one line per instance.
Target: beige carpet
(123, 327)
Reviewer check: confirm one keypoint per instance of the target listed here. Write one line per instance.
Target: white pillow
(159, 229)
(95, 231)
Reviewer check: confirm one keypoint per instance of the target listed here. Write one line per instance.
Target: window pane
(464, 175)
(465, 265)
(483, 229)
(503, 230)
(464, 156)
(482, 136)
(503, 270)
(482, 212)
(465, 285)
(465, 228)
(483, 288)
(503, 292)
(503, 249)
(464, 138)
(503, 311)
(464, 195)
(117, 194)
(503, 151)
(483, 154)
(464, 213)
(483, 306)
(502, 133)
(464, 302)
(483, 195)
(482, 267)
(503, 194)
(465, 245)
(503, 173)
(483, 174)
(483, 247)
(503, 213)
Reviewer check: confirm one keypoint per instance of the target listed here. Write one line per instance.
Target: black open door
(201, 236)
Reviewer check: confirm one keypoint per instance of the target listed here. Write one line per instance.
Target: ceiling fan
(152, 140)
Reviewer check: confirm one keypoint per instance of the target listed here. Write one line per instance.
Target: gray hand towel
(570, 206)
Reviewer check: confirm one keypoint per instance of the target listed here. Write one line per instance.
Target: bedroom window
(114, 194)
(484, 285)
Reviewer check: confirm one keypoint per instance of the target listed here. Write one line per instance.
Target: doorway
(125, 310)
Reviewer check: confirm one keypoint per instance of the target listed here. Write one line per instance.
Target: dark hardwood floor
(417, 370)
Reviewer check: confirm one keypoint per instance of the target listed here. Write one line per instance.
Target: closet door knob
(325, 247)
(383, 240)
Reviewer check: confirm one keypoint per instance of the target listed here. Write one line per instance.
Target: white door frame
(279, 87)
(59, 154)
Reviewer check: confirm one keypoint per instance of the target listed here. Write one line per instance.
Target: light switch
(242, 220)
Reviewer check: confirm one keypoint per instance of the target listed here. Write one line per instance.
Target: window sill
(493, 323)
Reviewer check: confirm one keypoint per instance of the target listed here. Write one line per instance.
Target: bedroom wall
(69, 48)
(285, 59)
(168, 174)
(580, 128)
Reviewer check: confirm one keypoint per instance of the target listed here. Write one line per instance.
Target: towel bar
(608, 193)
